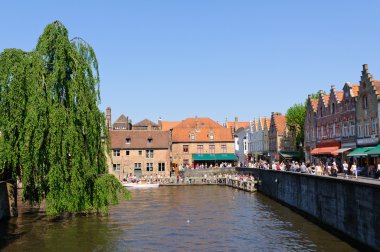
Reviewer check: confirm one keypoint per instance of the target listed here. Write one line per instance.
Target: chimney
(196, 122)
(332, 88)
(236, 123)
(365, 67)
(108, 118)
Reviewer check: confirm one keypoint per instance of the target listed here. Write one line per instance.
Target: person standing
(345, 169)
(354, 170)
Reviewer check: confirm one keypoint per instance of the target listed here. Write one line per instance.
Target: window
(374, 126)
(150, 140)
(334, 130)
(116, 153)
(322, 132)
(212, 148)
(192, 136)
(318, 133)
(137, 166)
(149, 153)
(127, 153)
(365, 104)
(140, 152)
(116, 167)
(186, 161)
(161, 167)
(352, 128)
(128, 140)
(149, 166)
(224, 148)
(360, 132)
(186, 148)
(333, 108)
(321, 111)
(211, 136)
(200, 148)
(366, 129)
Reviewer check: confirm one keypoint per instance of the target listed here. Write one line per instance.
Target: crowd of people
(319, 168)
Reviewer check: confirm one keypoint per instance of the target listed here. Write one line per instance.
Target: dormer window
(128, 140)
(211, 136)
(192, 136)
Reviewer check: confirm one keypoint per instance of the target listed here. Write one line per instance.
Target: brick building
(139, 152)
(201, 141)
(282, 142)
(367, 110)
(139, 149)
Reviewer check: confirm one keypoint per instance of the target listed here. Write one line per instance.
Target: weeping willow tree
(52, 134)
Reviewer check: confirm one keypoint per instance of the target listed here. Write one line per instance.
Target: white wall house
(260, 131)
(241, 144)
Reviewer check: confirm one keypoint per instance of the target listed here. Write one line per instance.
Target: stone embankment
(346, 207)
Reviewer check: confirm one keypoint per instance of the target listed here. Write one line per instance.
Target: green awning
(360, 152)
(289, 154)
(375, 152)
(214, 157)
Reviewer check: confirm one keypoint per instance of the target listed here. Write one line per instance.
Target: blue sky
(179, 59)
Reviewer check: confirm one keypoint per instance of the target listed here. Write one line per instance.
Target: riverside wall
(347, 207)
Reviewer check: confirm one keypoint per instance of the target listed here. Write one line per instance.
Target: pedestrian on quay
(345, 169)
(378, 171)
(354, 170)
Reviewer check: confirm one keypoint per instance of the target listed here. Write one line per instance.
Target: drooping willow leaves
(53, 135)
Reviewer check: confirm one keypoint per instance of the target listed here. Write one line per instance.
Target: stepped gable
(280, 123)
(138, 139)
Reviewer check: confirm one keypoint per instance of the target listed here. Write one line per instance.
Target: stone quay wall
(348, 208)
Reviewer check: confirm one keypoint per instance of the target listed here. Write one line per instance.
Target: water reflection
(195, 218)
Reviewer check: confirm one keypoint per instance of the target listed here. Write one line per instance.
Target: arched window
(365, 103)
(333, 108)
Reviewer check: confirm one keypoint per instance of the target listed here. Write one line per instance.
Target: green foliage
(315, 95)
(51, 127)
(295, 119)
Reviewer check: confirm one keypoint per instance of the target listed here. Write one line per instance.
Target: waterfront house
(241, 145)
(282, 142)
(260, 144)
(197, 141)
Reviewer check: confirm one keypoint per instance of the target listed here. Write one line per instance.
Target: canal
(191, 218)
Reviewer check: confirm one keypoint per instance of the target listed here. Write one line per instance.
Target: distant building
(235, 125)
(140, 152)
(260, 143)
(241, 145)
(282, 143)
(198, 141)
(139, 149)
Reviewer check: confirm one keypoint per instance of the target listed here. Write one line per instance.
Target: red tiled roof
(355, 90)
(339, 95)
(239, 124)
(376, 84)
(201, 127)
(326, 99)
(280, 123)
(314, 104)
(166, 125)
(139, 139)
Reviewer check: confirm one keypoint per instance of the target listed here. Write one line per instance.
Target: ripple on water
(220, 219)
